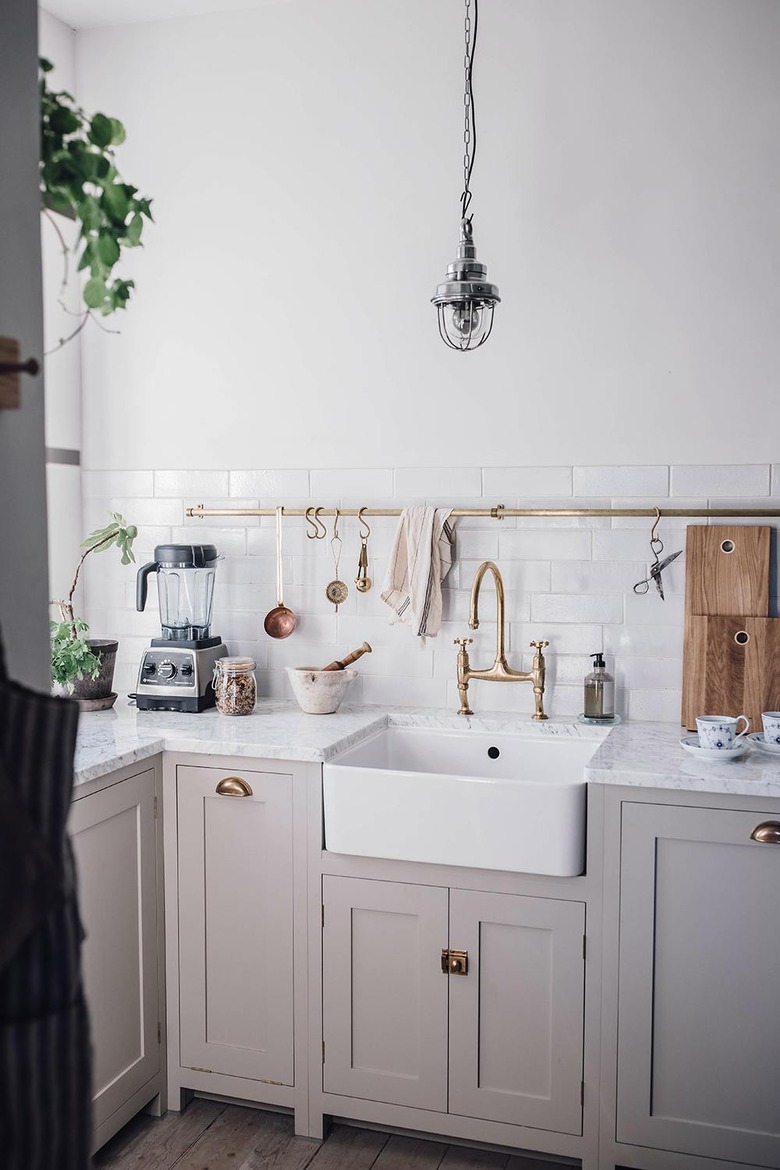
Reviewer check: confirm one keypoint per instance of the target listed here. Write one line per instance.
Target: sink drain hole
(494, 753)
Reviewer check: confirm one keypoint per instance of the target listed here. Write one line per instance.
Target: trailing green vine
(79, 178)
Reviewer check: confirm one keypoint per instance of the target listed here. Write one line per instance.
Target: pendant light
(465, 299)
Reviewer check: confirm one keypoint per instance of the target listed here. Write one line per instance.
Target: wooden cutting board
(731, 667)
(727, 569)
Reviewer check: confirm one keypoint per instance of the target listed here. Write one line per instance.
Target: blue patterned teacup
(771, 721)
(719, 732)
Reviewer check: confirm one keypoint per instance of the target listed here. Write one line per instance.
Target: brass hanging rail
(496, 513)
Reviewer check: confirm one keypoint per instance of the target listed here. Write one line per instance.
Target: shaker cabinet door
(516, 1017)
(236, 922)
(384, 994)
(113, 834)
(699, 981)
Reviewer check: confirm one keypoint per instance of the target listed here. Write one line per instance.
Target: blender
(176, 671)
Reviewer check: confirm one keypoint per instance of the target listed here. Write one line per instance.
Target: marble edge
(119, 759)
(638, 755)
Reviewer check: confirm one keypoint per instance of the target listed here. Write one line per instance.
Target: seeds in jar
(234, 687)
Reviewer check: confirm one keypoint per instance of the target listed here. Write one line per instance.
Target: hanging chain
(469, 124)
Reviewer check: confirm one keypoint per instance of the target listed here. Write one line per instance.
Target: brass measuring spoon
(363, 582)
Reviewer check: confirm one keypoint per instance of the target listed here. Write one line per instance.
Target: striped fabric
(44, 1040)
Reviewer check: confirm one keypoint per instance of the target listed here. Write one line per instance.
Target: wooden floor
(212, 1136)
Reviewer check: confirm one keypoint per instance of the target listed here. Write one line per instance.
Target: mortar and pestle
(319, 690)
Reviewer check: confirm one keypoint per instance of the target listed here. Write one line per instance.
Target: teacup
(719, 732)
(771, 721)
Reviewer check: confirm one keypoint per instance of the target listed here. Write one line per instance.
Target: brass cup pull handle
(767, 833)
(234, 786)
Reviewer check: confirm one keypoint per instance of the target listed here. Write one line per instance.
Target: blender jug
(185, 589)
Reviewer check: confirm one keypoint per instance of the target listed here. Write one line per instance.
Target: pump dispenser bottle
(599, 691)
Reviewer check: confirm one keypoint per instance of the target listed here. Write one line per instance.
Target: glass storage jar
(235, 689)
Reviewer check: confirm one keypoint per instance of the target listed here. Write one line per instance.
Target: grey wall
(23, 559)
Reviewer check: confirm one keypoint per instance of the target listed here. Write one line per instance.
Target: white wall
(305, 165)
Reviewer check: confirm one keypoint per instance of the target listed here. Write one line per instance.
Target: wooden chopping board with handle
(727, 569)
(732, 667)
(726, 573)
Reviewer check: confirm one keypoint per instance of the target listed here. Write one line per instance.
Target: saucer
(757, 739)
(691, 744)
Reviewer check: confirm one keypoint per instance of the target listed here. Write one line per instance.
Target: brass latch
(454, 962)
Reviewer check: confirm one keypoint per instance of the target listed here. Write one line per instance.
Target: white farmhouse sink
(472, 798)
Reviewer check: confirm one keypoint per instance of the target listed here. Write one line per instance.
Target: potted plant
(79, 179)
(83, 666)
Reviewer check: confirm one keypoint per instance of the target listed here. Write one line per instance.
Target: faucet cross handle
(462, 642)
(539, 645)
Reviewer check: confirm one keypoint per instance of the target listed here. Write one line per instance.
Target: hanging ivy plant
(79, 178)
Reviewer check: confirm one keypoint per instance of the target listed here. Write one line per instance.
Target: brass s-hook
(363, 524)
(654, 529)
(314, 524)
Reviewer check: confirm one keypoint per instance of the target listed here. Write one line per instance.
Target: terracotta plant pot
(95, 694)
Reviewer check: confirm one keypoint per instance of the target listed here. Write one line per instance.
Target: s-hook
(319, 530)
(363, 582)
(658, 566)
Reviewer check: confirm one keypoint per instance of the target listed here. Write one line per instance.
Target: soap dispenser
(599, 691)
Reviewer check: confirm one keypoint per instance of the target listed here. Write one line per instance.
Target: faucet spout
(500, 671)
(500, 606)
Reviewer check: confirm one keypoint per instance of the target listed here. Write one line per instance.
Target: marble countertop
(636, 754)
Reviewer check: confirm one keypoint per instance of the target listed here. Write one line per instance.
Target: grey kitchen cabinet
(502, 1042)
(235, 923)
(698, 1024)
(115, 841)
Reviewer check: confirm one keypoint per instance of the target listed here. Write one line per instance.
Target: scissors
(655, 572)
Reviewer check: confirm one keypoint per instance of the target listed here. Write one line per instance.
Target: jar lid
(235, 664)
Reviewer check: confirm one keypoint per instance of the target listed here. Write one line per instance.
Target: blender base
(176, 676)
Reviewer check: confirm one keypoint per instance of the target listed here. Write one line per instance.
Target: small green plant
(71, 655)
(79, 178)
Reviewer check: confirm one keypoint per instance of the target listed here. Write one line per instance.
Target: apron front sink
(479, 799)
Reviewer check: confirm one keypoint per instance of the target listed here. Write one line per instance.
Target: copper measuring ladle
(279, 621)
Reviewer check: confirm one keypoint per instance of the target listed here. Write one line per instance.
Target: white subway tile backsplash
(501, 482)
(460, 483)
(564, 638)
(619, 544)
(352, 483)
(648, 609)
(621, 481)
(568, 580)
(138, 510)
(545, 545)
(104, 484)
(595, 576)
(576, 607)
(281, 484)
(743, 479)
(191, 483)
(656, 705)
(636, 641)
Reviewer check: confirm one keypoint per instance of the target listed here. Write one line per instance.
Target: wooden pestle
(340, 663)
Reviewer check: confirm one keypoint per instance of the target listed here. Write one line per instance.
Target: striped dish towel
(421, 558)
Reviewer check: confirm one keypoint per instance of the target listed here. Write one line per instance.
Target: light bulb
(466, 319)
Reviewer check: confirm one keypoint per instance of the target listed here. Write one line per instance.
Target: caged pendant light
(465, 299)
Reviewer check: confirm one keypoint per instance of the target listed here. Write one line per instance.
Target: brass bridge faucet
(500, 671)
